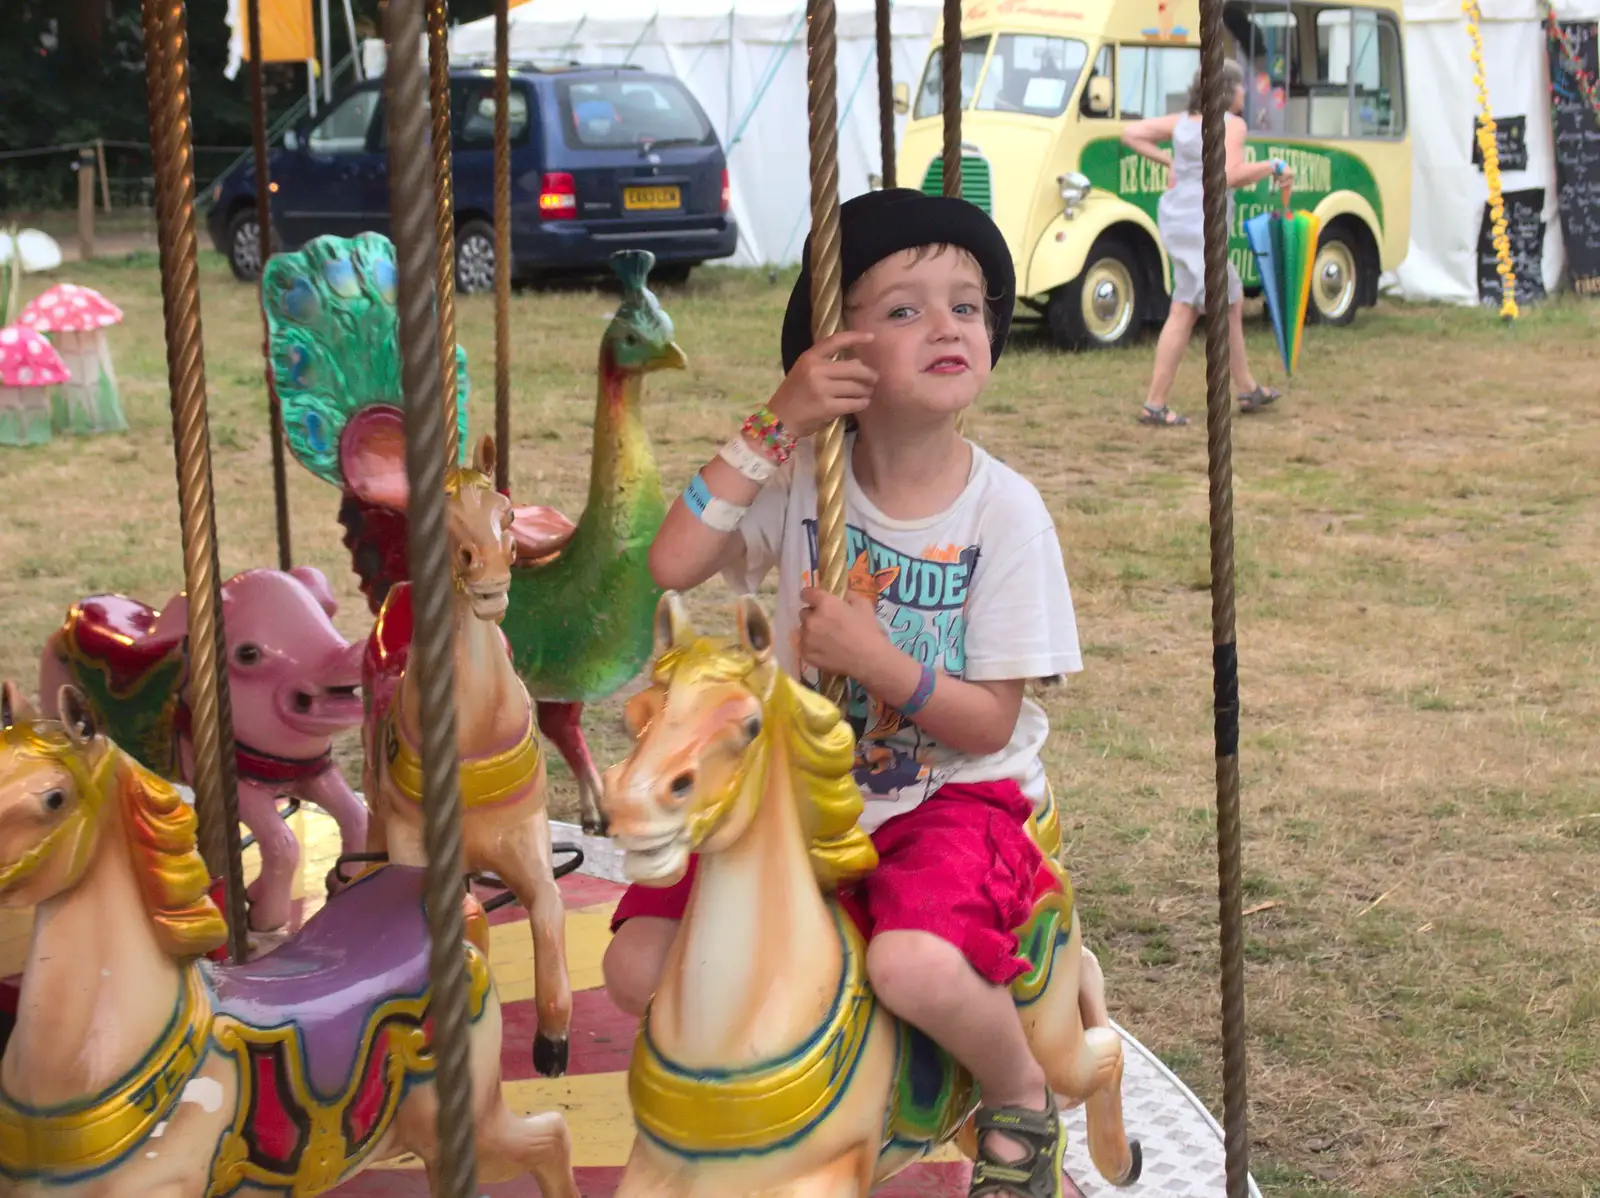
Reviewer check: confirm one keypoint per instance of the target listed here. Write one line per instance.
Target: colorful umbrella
(1285, 246)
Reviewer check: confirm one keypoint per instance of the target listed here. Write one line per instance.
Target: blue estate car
(602, 158)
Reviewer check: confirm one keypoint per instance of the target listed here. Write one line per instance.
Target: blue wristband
(714, 513)
(919, 697)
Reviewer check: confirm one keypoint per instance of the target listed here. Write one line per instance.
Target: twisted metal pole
(1224, 648)
(443, 215)
(432, 656)
(827, 298)
(885, 93)
(166, 51)
(502, 246)
(258, 140)
(950, 77)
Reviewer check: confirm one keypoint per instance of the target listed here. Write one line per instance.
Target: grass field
(1418, 530)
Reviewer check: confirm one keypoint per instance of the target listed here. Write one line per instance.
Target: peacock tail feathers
(333, 342)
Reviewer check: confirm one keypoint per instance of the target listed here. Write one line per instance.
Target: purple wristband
(919, 697)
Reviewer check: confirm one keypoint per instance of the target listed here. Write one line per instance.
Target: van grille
(975, 184)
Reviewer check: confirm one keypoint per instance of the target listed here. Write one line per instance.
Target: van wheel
(1336, 277)
(244, 245)
(475, 258)
(1100, 308)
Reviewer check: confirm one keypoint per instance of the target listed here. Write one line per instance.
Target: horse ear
(75, 715)
(672, 623)
(755, 630)
(14, 705)
(483, 457)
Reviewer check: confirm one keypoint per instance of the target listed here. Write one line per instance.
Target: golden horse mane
(821, 748)
(160, 827)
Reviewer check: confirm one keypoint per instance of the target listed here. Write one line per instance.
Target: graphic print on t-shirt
(919, 601)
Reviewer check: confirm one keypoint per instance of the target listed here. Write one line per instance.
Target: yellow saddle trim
(484, 780)
(326, 1157)
(61, 1144)
(699, 1113)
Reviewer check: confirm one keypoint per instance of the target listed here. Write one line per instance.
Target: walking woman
(1179, 218)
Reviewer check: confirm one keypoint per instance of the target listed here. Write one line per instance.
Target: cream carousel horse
(138, 1069)
(505, 827)
(764, 1064)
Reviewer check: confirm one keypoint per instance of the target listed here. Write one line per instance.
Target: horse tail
(1118, 1159)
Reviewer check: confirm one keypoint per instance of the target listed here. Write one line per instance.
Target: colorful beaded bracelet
(766, 430)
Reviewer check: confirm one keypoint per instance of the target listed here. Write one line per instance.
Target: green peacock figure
(582, 602)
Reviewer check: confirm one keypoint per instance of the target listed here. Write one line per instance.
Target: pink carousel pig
(293, 681)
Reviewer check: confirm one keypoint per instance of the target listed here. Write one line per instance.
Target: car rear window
(619, 114)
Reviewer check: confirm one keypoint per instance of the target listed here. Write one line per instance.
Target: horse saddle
(120, 634)
(361, 952)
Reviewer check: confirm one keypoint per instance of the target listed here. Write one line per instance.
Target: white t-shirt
(978, 591)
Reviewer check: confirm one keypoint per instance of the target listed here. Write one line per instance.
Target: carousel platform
(1182, 1142)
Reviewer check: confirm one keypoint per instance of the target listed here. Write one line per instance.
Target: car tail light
(727, 193)
(558, 196)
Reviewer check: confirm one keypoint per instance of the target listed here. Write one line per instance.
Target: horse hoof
(1135, 1164)
(549, 1056)
(594, 825)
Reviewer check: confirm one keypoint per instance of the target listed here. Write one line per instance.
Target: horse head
(704, 731)
(65, 791)
(478, 519)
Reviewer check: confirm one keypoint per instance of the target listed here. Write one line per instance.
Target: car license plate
(651, 198)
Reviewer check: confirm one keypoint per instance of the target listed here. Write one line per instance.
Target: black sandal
(1038, 1174)
(1162, 417)
(1260, 398)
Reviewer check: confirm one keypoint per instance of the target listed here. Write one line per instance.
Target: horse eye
(752, 727)
(683, 785)
(247, 654)
(55, 800)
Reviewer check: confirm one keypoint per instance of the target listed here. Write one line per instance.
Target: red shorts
(960, 865)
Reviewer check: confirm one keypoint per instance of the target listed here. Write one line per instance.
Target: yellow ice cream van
(1047, 87)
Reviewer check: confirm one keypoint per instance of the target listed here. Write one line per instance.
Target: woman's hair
(1232, 74)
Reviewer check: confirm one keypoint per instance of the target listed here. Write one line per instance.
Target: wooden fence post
(86, 203)
(105, 179)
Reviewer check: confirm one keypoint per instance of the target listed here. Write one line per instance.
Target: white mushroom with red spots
(76, 318)
(29, 370)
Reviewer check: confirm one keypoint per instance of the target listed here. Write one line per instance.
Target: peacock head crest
(639, 338)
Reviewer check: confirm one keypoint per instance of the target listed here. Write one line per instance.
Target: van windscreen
(1031, 73)
(619, 114)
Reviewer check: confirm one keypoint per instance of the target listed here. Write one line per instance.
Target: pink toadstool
(29, 369)
(76, 319)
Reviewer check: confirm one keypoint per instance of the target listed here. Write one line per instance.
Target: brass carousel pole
(258, 138)
(443, 214)
(827, 298)
(166, 51)
(885, 92)
(502, 246)
(416, 260)
(950, 76)
(1224, 648)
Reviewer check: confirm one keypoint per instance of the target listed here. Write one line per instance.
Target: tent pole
(355, 42)
(327, 55)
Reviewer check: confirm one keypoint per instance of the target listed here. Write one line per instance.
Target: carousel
(359, 1012)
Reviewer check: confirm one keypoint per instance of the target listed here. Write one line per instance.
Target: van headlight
(1075, 188)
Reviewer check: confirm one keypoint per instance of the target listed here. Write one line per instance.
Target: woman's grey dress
(1178, 216)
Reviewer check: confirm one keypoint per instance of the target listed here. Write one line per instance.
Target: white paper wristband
(739, 454)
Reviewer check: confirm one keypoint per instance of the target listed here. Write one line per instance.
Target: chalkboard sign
(1510, 143)
(1577, 152)
(1525, 231)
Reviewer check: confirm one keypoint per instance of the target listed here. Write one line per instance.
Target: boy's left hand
(840, 636)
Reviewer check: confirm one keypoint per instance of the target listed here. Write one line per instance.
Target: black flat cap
(880, 223)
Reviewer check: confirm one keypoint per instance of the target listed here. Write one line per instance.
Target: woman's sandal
(1036, 1175)
(1162, 417)
(1261, 397)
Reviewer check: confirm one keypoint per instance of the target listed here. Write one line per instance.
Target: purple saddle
(367, 946)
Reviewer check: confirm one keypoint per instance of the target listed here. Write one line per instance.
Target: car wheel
(244, 245)
(1100, 309)
(672, 273)
(475, 258)
(1336, 278)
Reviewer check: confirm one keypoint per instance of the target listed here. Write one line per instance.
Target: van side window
(1358, 89)
(1267, 44)
(1103, 69)
(344, 130)
(930, 92)
(472, 114)
(1154, 80)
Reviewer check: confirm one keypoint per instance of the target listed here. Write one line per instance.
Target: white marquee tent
(745, 61)
(1449, 191)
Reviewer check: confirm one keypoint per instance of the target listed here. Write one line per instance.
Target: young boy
(958, 597)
